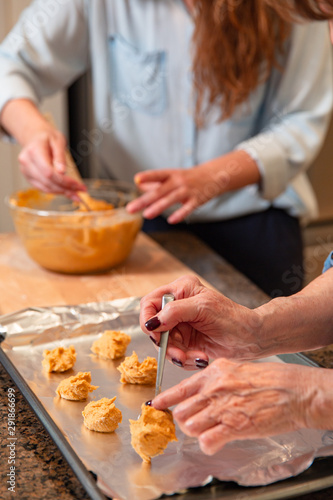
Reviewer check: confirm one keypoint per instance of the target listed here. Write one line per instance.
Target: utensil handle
(72, 169)
(168, 297)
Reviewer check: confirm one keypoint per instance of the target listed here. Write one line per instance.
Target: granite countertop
(41, 471)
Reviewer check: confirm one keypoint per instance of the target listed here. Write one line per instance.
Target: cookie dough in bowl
(63, 237)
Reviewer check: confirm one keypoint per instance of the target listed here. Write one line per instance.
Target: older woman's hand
(229, 401)
(202, 323)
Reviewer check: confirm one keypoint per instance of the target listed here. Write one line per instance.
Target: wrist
(21, 119)
(38, 125)
(232, 171)
(37, 130)
(318, 410)
(282, 326)
(301, 322)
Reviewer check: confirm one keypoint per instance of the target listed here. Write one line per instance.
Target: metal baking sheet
(119, 469)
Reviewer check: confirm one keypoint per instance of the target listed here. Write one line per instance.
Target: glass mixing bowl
(60, 238)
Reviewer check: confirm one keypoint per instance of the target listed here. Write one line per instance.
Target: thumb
(58, 146)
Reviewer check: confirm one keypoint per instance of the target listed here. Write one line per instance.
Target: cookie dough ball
(76, 388)
(102, 415)
(152, 432)
(59, 359)
(134, 372)
(111, 345)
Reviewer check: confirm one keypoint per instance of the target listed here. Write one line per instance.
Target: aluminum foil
(120, 471)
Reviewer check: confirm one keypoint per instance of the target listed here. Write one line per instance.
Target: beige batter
(59, 359)
(152, 432)
(111, 345)
(76, 388)
(134, 372)
(102, 415)
(77, 242)
(93, 204)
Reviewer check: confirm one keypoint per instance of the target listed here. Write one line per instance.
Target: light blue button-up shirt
(139, 55)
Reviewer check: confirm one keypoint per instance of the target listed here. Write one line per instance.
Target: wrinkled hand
(230, 401)
(202, 323)
(162, 189)
(43, 163)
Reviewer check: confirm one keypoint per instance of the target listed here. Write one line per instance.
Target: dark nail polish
(201, 363)
(155, 341)
(152, 323)
(148, 403)
(177, 362)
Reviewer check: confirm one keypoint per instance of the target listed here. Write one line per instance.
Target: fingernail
(148, 403)
(155, 341)
(152, 323)
(201, 363)
(177, 362)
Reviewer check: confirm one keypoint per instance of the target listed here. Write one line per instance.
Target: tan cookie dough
(76, 242)
(102, 415)
(90, 203)
(59, 359)
(76, 388)
(152, 432)
(134, 372)
(111, 345)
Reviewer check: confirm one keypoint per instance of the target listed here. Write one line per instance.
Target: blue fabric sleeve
(328, 262)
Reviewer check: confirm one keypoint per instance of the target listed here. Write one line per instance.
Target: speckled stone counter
(41, 472)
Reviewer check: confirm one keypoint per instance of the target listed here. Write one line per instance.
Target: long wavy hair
(236, 45)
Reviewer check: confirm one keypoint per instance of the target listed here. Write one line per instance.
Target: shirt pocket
(138, 78)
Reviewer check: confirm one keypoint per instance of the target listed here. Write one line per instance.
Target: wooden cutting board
(23, 283)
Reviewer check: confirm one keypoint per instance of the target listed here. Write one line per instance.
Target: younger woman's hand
(181, 187)
(190, 188)
(43, 163)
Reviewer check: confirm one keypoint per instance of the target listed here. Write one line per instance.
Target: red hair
(236, 44)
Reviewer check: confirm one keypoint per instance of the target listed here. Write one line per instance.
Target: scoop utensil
(72, 170)
(168, 297)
